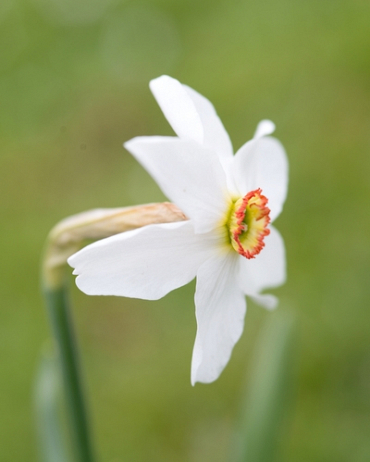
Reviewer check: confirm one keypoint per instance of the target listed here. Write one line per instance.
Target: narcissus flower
(228, 242)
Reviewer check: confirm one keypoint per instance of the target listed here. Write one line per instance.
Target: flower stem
(58, 307)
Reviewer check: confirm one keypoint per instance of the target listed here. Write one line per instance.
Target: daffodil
(227, 243)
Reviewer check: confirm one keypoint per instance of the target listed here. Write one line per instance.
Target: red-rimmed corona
(248, 223)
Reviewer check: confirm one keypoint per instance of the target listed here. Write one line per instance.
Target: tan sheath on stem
(69, 235)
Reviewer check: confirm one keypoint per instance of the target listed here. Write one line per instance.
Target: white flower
(227, 243)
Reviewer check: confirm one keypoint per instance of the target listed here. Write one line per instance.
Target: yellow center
(247, 223)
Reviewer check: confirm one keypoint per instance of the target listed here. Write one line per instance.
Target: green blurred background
(73, 87)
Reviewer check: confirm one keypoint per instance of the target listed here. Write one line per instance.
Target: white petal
(144, 263)
(268, 301)
(191, 115)
(215, 135)
(220, 311)
(264, 128)
(189, 175)
(262, 163)
(178, 108)
(267, 269)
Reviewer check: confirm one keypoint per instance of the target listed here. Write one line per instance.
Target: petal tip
(268, 301)
(264, 128)
(162, 83)
(127, 144)
(161, 78)
(70, 261)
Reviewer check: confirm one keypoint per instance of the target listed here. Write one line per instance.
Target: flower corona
(247, 224)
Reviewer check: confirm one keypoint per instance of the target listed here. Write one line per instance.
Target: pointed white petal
(144, 263)
(215, 135)
(220, 311)
(191, 115)
(264, 128)
(268, 301)
(262, 163)
(178, 108)
(188, 174)
(267, 269)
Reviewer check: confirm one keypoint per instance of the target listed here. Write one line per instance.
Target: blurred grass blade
(49, 419)
(269, 391)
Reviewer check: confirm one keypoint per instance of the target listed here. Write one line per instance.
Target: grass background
(73, 86)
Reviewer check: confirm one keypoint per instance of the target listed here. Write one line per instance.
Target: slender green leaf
(49, 419)
(269, 392)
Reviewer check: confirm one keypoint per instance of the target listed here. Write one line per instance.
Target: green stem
(60, 317)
